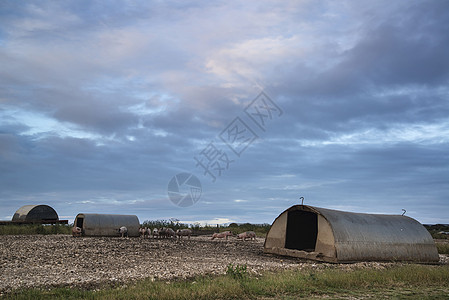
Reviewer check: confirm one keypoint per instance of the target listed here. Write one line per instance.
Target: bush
(435, 230)
(260, 229)
(443, 248)
(174, 224)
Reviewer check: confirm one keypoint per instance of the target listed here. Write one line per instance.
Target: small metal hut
(337, 236)
(106, 225)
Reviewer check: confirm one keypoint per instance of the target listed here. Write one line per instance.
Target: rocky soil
(61, 260)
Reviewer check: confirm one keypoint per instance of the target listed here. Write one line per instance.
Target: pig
(247, 235)
(166, 232)
(76, 231)
(222, 235)
(162, 232)
(170, 233)
(142, 231)
(123, 231)
(183, 232)
(155, 233)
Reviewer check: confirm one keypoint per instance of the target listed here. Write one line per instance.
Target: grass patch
(237, 271)
(401, 281)
(443, 248)
(28, 229)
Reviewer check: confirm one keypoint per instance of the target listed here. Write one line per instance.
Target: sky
(225, 111)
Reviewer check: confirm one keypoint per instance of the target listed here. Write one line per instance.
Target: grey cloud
(398, 48)
(404, 50)
(146, 87)
(97, 116)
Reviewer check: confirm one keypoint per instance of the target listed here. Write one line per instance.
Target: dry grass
(443, 248)
(399, 281)
(34, 229)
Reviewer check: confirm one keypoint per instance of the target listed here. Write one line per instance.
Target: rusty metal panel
(107, 224)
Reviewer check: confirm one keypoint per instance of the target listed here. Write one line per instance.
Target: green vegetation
(443, 248)
(399, 282)
(237, 271)
(260, 229)
(436, 229)
(12, 229)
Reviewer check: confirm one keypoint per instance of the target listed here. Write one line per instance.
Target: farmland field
(95, 263)
(61, 260)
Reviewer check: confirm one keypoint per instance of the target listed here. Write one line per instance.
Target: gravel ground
(61, 260)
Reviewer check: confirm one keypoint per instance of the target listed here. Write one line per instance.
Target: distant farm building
(42, 214)
(337, 236)
(106, 225)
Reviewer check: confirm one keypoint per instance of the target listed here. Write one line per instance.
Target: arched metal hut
(106, 225)
(337, 236)
(35, 213)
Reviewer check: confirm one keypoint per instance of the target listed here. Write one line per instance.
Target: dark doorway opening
(302, 230)
(79, 222)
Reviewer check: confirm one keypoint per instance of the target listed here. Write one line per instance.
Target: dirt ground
(62, 260)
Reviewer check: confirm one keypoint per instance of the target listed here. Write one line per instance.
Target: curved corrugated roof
(347, 236)
(31, 213)
(369, 236)
(107, 224)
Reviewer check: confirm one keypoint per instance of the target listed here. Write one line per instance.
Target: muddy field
(61, 260)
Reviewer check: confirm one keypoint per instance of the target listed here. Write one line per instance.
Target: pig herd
(166, 232)
(160, 233)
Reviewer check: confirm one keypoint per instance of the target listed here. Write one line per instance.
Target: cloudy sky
(344, 103)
